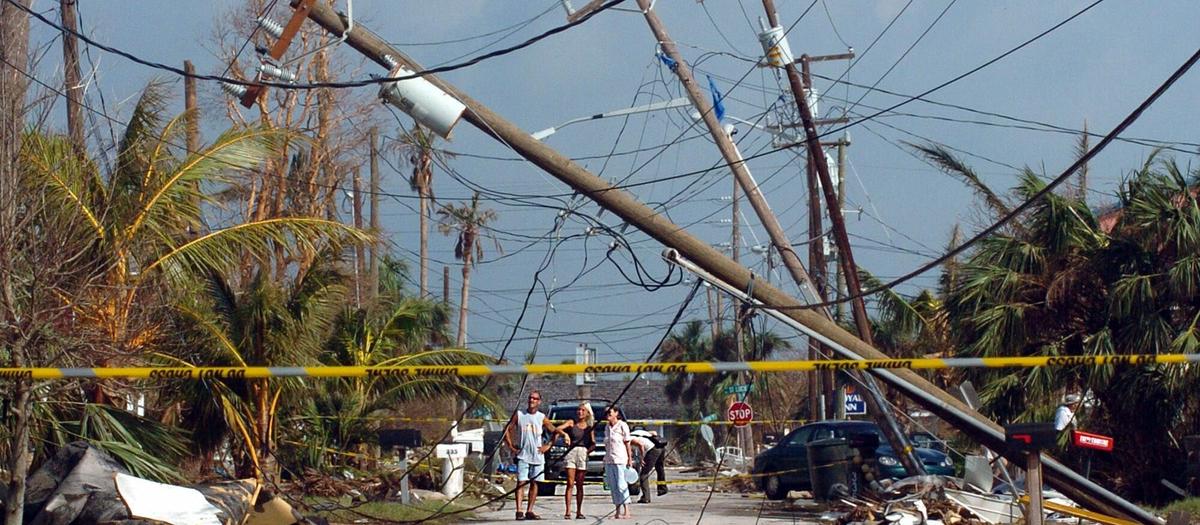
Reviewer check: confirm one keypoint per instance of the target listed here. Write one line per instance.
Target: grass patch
(389, 511)
(1189, 505)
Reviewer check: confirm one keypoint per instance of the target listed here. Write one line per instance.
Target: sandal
(580, 516)
(532, 516)
(520, 515)
(567, 516)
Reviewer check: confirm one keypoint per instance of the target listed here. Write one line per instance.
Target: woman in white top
(617, 458)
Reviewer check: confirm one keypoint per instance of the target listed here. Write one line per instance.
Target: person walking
(617, 458)
(530, 451)
(582, 433)
(650, 453)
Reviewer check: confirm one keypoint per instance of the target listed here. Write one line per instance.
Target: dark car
(561, 411)
(790, 457)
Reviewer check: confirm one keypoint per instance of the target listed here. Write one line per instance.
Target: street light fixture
(657, 106)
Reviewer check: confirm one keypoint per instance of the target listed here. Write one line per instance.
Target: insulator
(272, 27)
(234, 90)
(391, 62)
(276, 72)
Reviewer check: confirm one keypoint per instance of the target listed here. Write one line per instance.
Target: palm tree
(418, 147)
(342, 413)
(703, 391)
(145, 217)
(1060, 284)
(267, 324)
(468, 222)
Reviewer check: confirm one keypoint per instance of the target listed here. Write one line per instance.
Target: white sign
(456, 450)
(855, 404)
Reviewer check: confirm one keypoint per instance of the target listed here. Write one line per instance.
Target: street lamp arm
(657, 106)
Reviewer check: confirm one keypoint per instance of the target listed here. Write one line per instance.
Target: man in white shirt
(1064, 416)
(640, 439)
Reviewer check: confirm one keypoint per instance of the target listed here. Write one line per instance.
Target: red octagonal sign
(740, 414)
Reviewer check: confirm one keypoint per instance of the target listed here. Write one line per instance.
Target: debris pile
(941, 500)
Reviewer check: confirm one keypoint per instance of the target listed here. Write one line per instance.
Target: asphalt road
(689, 503)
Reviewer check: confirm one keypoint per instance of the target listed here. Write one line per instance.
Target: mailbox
(390, 438)
(1030, 437)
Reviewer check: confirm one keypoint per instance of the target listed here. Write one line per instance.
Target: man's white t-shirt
(646, 444)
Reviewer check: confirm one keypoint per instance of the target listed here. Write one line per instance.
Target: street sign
(740, 414)
(855, 404)
(1092, 441)
(739, 389)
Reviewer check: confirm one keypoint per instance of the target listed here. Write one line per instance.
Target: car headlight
(947, 462)
(888, 461)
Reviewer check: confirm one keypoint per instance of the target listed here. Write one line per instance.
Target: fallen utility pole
(629, 209)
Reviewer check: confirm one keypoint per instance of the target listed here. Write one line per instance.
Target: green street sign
(739, 389)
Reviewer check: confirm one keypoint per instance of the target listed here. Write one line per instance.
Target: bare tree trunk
(14, 60)
(20, 458)
(461, 340)
(423, 204)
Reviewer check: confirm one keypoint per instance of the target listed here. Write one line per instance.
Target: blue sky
(1094, 69)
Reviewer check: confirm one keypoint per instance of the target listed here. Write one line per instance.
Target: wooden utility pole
(72, 81)
(373, 268)
(359, 256)
(818, 266)
(839, 401)
(624, 205)
(191, 107)
(876, 403)
(446, 284)
(744, 435)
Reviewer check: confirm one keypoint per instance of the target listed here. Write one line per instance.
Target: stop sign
(740, 414)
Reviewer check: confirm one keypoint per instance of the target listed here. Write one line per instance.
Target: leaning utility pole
(729, 151)
(72, 83)
(874, 398)
(741, 176)
(623, 204)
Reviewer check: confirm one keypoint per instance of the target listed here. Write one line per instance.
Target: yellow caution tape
(257, 372)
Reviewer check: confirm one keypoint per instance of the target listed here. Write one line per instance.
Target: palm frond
(222, 248)
(233, 150)
(944, 159)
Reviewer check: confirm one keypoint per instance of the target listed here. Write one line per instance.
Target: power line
(316, 85)
(902, 55)
(1083, 159)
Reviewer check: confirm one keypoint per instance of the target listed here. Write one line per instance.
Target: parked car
(927, 440)
(790, 457)
(562, 410)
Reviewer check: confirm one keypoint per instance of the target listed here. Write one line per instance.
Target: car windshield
(849, 430)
